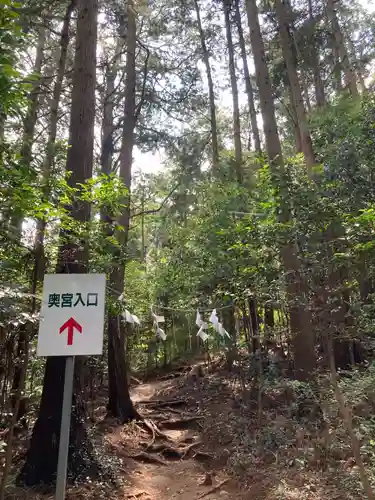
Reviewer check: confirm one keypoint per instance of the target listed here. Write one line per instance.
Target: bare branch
(161, 206)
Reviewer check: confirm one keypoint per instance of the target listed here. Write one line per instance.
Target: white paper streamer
(213, 318)
(160, 333)
(128, 317)
(221, 330)
(218, 327)
(156, 318)
(136, 319)
(202, 334)
(198, 319)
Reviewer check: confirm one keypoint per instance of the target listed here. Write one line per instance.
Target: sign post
(62, 464)
(71, 324)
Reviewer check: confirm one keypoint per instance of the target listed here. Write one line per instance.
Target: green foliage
(11, 39)
(197, 239)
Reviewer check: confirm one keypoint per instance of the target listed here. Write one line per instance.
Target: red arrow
(70, 325)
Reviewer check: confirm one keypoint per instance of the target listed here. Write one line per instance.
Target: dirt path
(192, 435)
(180, 478)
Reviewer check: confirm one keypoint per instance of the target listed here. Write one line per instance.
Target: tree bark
(254, 322)
(107, 150)
(107, 144)
(41, 460)
(119, 402)
(230, 325)
(341, 50)
(30, 123)
(300, 319)
(320, 97)
(7, 463)
(306, 95)
(233, 82)
(31, 117)
(336, 67)
(16, 220)
(211, 94)
(314, 57)
(286, 45)
(50, 149)
(248, 84)
(273, 145)
(293, 116)
(357, 64)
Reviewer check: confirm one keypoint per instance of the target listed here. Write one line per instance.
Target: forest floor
(201, 439)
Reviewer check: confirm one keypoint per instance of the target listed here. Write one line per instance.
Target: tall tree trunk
(107, 145)
(340, 48)
(254, 323)
(51, 141)
(336, 67)
(30, 123)
(293, 116)
(286, 45)
(143, 236)
(233, 82)
(248, 84)
(320, 97)
(230, 326)
(314, 58)
(31, 117)
(17, 219)
(106, 157)
(357, 63)
(41, 460)
(300, 319)
(306, 96)
(211, 95)
(119, 402)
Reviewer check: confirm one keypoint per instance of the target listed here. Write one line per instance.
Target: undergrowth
(300, 428)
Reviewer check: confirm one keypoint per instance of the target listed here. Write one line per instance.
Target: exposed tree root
(157, 416)
(166, 413)
(188, 440)
(189, 447)
(161, 404)
(170, 376)
(202, 456)
(134, 380)
(165, 450)
(149, 424)
(141, 429)
(147, 458)
(173, 410)
(155, 447)
(137, 495)
(170, 451)
(179, 423)
(214, 489)
(151, 427)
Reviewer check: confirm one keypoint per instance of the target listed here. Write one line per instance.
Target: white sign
(72, 315)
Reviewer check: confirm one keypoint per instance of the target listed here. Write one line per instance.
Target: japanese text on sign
(72, 300)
